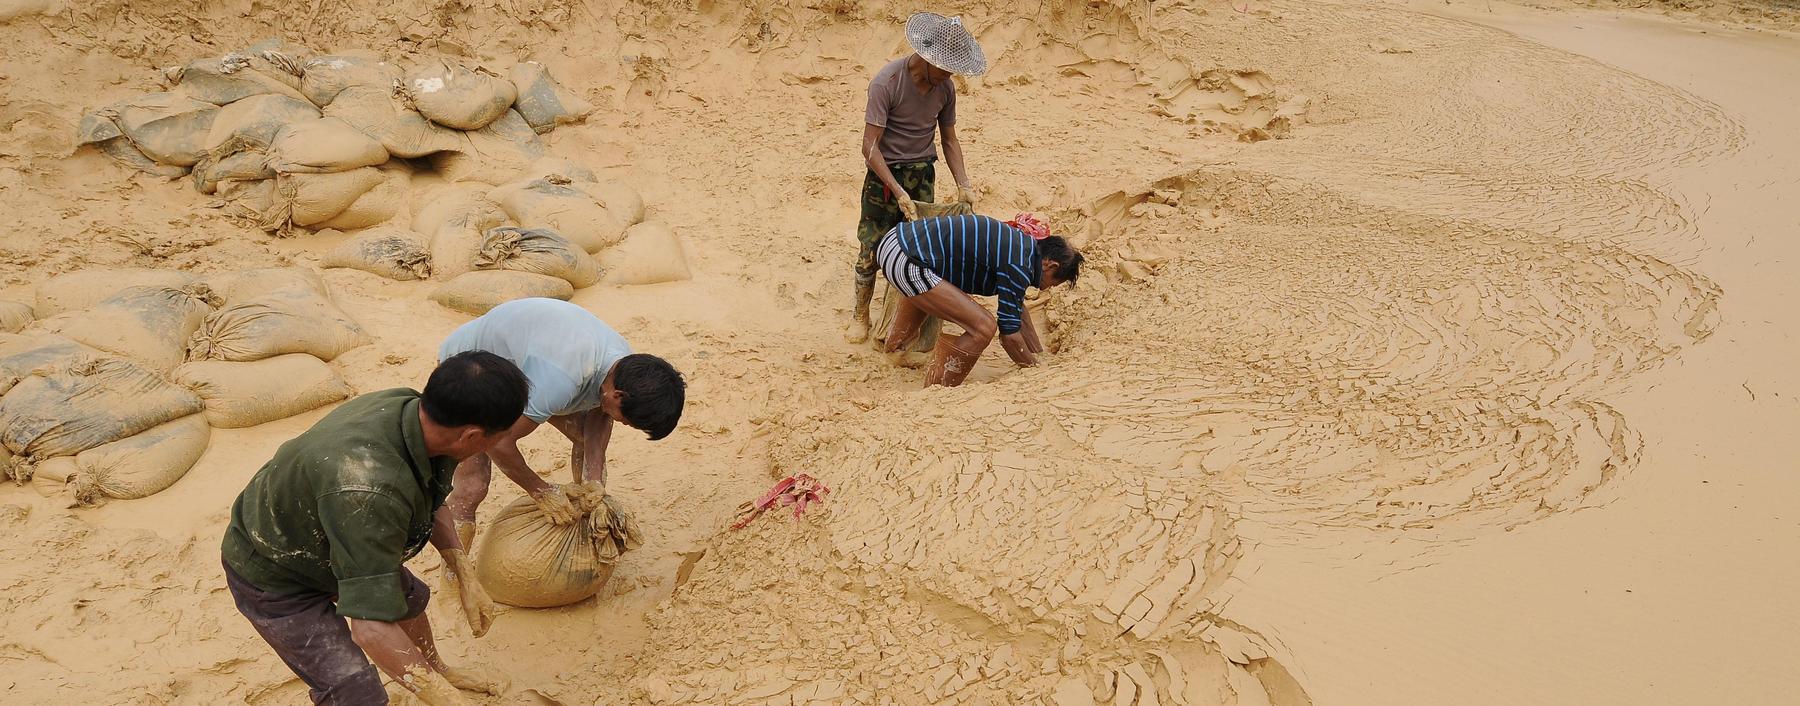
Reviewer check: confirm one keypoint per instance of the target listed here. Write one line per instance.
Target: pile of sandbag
(298, 139)
(112, 389)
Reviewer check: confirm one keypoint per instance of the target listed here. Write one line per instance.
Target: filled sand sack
(150, 325)
(526, 561)
(74, 291)
(379, 204)
(389, 251)
(233, 77)
(457, 96)
(251, 393)
(649, 254)
(315, 199)
(622, 201)
(543, 101)
(239, 286)
(455, 219)
(324, 145)
(555, 204)
(540, 251)
(137, 466)
(14, 316)
(402, 131)
(246, 166)
(168, 128)
(22, 355)
(74, 405)
(287, 320)
(100, 128)
(252, 123)
(477, 292)
(497, 154)
(322, 78)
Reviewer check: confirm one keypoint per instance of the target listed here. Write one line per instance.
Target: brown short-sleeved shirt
(911, 119)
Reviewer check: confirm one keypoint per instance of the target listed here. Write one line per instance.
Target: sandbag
(48, 477)
(544, 102)
(150, 325)
(457, 96)
(649, 254)
(74, 291)
(539, 251)
(232, 77)
(250, 393)
(239, 286)
(253, 122)
(168, 128)
(497, 154)
(552, 203)
(400, 130)
(524, 560)
(391, 252)
(378, 205)
(323, 78)
(477, 292)
(455, 219)
(66, 408)
(100, 128)
(245, 166)
(313, 199)
(291, 320)
(622, 201)
(546, 167)
(140, 465)
(324, 145)
(20, 357)
(14, 316)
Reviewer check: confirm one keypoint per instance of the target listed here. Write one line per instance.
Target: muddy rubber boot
(857, 331)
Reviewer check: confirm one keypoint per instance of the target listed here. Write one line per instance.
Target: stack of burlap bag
(111, 380)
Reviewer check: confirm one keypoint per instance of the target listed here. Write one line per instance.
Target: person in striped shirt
(938, 262)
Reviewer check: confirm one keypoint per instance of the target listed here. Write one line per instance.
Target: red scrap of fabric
(797, 490)
(1031, 225)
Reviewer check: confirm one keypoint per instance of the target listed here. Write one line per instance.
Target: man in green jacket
(322, 533)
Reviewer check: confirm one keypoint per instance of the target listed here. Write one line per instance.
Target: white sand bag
(82, 289)
(497, 154)
(168, 128)
(149, 325)
(246, 394)
(622, 201)
(232, 77)
(536, 250)
(313, 199)
(322, 78)
(70, 407)
(477, 292)
(543, 101)
(389, 251)
(140, 465)
(650, 254)
(14, 316)
(253, 122)
(458, 96)
(22, 355)
(552, 203)
(399, 129)
(100, 128)
(376, 206)
(526, 561)
(292, 320)
(324, 145)
(455, 219)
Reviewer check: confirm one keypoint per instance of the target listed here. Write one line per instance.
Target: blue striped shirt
(980, 255)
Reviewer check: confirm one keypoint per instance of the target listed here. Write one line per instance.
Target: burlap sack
(526, 561)
(72, 406)
(649, 254)
(245, 394)
(540, 251)
(389, 251)
(477, 292)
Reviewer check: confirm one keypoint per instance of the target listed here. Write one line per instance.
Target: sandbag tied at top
(322, 78)
(150, 325)
(315, 199)
(14, 316)
(454, 219)
(253, 122)
(525, 560)
(323, 145)
(477, 292)
(139, 465)
(538, 250)
(81, 289)
(169, 128)
(25, 355)
(543, 101)
(401, 130)
(245, 394)
(100, 128)
(457, 96)
(555, 204)
(389, 251)
(232, 77)
(71, 406)
(295, 318)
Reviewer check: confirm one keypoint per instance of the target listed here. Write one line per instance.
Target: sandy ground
(1433, 353)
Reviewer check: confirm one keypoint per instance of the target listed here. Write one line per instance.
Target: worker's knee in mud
(983, 330)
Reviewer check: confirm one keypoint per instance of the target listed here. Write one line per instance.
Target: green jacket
(341, 507)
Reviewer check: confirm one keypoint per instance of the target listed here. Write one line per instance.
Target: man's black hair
(653, 393)
(476, 387)
(1067, 258)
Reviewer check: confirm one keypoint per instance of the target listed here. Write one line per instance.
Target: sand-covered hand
(907, 207)
(555, 505)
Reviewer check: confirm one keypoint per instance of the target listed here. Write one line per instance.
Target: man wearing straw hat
(911, 99)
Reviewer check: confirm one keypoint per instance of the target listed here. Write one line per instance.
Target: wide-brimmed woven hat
(945, 43)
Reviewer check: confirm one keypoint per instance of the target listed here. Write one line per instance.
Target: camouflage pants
(881, 212)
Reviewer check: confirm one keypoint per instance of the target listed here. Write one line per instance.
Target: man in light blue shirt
(583, 378)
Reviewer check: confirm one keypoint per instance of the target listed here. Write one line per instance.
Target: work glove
(907, 207)
(966, 194)
(555, 505)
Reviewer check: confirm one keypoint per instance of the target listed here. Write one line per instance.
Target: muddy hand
(966, 194)
(555, 505)
(432, 688)
(477, 607)
(907, 207)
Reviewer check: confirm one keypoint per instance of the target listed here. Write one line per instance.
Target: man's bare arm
(953, 153)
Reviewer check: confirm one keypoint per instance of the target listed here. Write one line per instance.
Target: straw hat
(945, 43)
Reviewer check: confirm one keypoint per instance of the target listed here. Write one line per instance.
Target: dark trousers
(314, 641)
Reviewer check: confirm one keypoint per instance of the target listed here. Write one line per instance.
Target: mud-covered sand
(1429, 354)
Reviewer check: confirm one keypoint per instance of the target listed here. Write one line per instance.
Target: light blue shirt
(564, 350)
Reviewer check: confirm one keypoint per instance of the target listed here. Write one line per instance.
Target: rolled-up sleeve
(367, 534)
